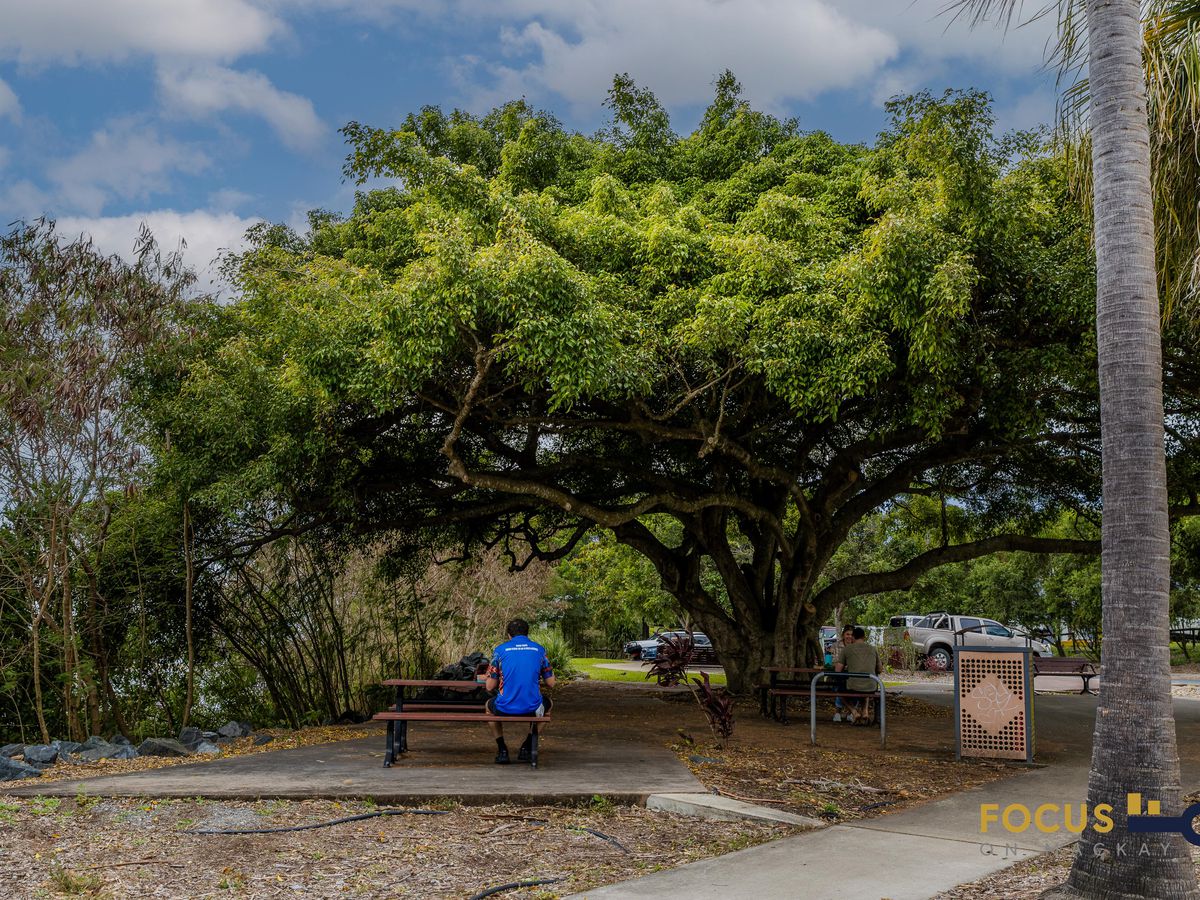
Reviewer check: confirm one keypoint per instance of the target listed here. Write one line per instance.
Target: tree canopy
(762, 334)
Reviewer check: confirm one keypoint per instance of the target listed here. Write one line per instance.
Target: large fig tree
(521, 334)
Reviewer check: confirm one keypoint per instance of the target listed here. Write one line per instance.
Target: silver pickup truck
(933, 637)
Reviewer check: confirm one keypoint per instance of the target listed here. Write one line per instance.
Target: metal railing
(812, 702)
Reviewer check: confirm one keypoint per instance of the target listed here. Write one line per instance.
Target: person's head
(860, 633)
(517, 627)
(847, 634)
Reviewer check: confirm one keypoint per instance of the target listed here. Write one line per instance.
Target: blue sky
(200, 117)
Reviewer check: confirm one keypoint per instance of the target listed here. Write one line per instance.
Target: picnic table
(780, 690)
(468, 709)
(1067, 665)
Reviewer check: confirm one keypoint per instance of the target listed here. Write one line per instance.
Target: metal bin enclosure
(993, 702)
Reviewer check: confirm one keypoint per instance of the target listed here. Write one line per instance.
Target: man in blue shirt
(517, 667)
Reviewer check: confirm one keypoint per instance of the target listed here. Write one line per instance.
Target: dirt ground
(847, 776)
(126, 848)
(116, 848)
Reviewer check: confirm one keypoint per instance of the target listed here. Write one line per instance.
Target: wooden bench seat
(398, 743)
(1067, 665)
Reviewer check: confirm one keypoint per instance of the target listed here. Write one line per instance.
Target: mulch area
(127, 848)
(847, 776)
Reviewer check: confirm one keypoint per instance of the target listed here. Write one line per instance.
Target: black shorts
(491, 708)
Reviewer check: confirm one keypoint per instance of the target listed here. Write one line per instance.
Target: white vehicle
(934, 637)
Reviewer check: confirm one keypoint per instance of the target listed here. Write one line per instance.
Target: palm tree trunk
(1134, 748)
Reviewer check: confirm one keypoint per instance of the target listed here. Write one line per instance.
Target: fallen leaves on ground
(834, 783)
(122, 848)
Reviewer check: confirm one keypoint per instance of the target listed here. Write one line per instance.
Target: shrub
(558, 650)
(670, 665)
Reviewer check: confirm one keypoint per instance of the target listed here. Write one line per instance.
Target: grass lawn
(591, 668)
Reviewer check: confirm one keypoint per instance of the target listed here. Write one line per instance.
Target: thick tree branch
(904, 577)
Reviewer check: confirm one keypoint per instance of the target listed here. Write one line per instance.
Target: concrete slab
(726, 809)
(592, 747)
(438, 766)
(837, 863)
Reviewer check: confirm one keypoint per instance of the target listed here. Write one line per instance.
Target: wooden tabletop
(430, 682)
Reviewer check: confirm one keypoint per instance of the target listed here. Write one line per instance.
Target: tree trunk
(744, 660)
(188, 585)
(1134, 747)
(39, 706)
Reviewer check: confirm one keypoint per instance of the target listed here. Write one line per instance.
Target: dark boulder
(8, 751)
(260, 739)
(41, 753)
(162, 747)
(190, 737)
(11, 770)
(232, 730)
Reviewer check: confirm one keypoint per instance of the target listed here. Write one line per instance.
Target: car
(648, 649)
(935, 636)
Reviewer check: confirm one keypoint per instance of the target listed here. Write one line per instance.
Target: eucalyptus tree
(1135, 699)
(759, 334)
(74, 324)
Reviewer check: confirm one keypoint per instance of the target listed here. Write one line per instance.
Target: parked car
(648, 649)
(905, 621)
(933, 637)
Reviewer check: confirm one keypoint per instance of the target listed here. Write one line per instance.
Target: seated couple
(516, 670)
(855, 655)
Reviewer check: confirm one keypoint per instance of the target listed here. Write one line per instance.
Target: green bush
(558, 650)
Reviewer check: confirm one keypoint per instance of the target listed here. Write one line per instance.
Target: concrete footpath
(917, 853)
(446, 760)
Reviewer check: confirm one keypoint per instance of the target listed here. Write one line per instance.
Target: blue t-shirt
(519, 664)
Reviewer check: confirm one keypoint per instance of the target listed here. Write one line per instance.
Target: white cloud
(21, 200)
(10, 106)
(1039, 107)
(206, 90)
(206, 234)
(228, 199)
(70, 31)
(126, 160)
(779, 49)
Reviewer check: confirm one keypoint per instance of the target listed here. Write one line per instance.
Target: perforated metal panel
(994, 703)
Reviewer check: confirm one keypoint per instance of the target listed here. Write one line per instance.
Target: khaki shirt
(859, 657)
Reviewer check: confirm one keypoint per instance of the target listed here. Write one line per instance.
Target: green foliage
(558, 650)
(608, 594)
(753, 335)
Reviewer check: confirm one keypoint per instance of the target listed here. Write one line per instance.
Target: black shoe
(523, 754)
(502, 757)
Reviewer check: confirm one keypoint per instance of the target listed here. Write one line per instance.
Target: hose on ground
(394, 811)
(513, 885)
